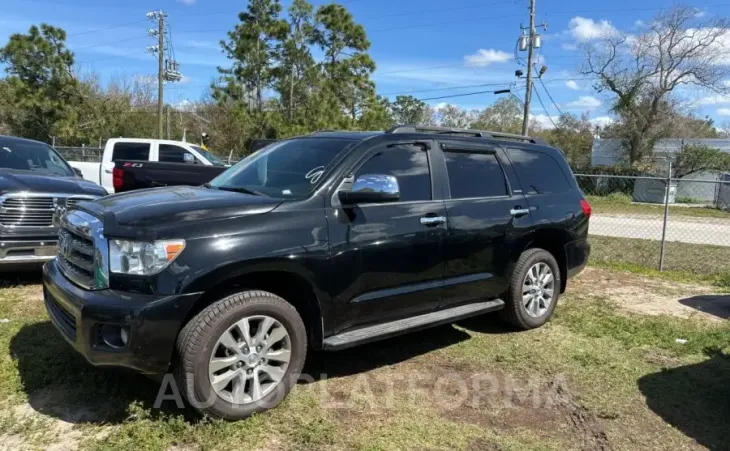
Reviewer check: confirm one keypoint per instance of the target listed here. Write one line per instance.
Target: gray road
(684, 229)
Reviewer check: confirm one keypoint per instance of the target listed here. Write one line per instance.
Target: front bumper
(152, 322)
(27, 252)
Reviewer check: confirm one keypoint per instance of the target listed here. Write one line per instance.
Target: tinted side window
(131, 151)
(409, 164)
(539, 172)
(172, 154)
(475, 175)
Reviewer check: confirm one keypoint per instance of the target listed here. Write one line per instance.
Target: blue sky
(429, 48)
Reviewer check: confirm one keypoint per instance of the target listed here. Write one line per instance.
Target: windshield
(284, 169)
(32, 156)
(209, 156)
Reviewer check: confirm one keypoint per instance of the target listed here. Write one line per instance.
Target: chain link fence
(661, 222)
(90, 154)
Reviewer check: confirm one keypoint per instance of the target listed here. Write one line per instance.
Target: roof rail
(462, 131)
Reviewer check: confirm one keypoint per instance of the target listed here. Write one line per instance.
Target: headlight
(140, 258)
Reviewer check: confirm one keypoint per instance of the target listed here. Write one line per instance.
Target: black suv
(324, 241)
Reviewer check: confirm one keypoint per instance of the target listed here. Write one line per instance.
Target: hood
(177, 206)
(13, 180)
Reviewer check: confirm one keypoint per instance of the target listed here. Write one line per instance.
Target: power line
(124, 55)
(447, 88)
(107, 43)
(437, 24)
(537, 93)
(551, 97)
(425, 11)
(458, 95)
(107, 28)
(444, 66)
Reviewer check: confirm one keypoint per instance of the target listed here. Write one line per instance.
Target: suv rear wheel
(241, 355)
(534, 289)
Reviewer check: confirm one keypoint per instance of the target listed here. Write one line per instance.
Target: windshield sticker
(315, 174)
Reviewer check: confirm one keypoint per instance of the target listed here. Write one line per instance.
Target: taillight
(586, 207)
(117, 178)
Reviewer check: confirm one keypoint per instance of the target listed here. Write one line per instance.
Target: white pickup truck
(140, 149)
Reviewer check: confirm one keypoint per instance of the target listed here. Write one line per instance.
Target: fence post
(666, 215)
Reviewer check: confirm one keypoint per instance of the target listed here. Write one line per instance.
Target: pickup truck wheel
(534, 289)
(241, 355)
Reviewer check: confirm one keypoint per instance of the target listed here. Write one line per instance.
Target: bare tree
(644, 70)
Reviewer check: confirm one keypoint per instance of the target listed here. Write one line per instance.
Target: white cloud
(602, 121)
(184, 105)
(584, 29)
(485, 57)
(717, 99)
(723, 111)
(544, 120)
(569, 46)
(700, 13)
(639, 23)
(185, 80)
(571, 84)
(585, 102)
(187, 2)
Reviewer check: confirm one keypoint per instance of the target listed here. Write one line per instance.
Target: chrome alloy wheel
(538, 289)
(249, 359)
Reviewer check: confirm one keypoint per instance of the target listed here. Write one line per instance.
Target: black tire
(514, 311)
(198, 337)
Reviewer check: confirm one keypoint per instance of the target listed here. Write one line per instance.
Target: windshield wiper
(236, 189)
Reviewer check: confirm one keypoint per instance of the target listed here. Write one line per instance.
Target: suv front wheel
(241, 355)
(534, 289)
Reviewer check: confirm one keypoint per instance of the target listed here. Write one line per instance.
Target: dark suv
(324, 241)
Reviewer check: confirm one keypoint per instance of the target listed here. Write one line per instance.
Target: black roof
(344, 134)
(18, 139)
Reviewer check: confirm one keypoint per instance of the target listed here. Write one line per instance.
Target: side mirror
(189, 158)
(77, 171)
(371, 188)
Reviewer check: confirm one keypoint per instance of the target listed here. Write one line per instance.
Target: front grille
(27, 212)
(83, 251)
(72, 201)
(62, 318)
(76, 257)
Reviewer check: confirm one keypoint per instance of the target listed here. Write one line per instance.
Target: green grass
(682, 261)
(621, 203)
(623, 376)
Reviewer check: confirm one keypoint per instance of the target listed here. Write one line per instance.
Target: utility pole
(168, 122)
(529, 40)
(528, 90)
(167, 69)
(161, 68)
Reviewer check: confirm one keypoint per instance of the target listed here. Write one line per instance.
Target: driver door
(387, 256)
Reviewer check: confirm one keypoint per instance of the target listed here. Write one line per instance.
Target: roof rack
(462, 131)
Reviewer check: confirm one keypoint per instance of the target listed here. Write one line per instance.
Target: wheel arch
(287, 281)
(553, 241)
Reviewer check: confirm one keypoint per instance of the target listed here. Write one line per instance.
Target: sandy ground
(653, 296)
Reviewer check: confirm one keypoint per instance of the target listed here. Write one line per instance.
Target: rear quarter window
(538, 172)
(131, 151)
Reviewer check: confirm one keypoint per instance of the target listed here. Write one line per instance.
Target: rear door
(122, 150)
(485, 216)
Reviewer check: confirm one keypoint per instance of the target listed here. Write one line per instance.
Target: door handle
(433, 220)
(108, 171)
(519, 211)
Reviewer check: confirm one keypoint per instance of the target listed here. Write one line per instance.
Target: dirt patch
(639, 294)
(583, 422)
(57, 416)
